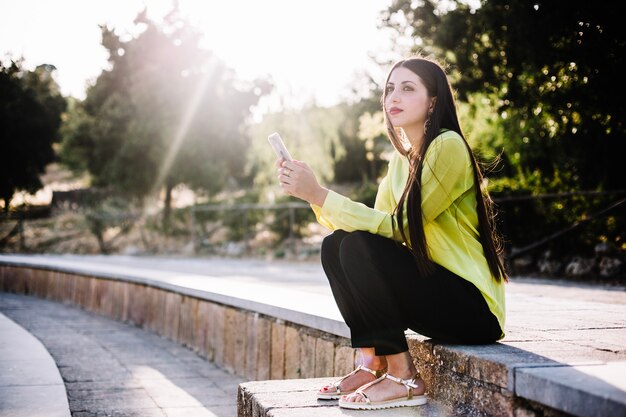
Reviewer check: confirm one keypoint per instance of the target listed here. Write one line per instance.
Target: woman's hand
(298, 180)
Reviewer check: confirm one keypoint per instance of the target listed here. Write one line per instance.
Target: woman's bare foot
(369, 360)
(400, 366)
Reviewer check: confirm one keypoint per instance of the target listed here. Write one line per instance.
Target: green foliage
(280, 222)
(111, 213)
(30, 115)
(309, 134)
(329, 139)
(166, 113)
(538, 81)
(551, 65)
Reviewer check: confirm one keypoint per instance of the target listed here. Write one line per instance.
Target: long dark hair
(443, 116)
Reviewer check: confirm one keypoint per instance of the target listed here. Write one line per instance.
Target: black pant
(380, 294)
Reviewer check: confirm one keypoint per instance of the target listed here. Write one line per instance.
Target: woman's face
(406, 100)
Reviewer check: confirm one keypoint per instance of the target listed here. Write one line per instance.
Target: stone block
(592, 390)
(155, 311)
(292, 353)
(240, 343)
(296, 398)
(70, 296)
(344, 360)
(201, 327)
(16, 279)
(491, 371)
(135, 303)
(454, 360)
(491, 400)
(278, 347)
(217, 332)
(63, 287)
(186, 320)
(121, 301)
(421, 351)
(52, 282)
(324, 358)
(307, 354)
(450, 388)
(173, 302)
(82, 292)
(234, 341)
(258, 347)
(252, 348)
(104, 296)
(93, 303)
(264, 348)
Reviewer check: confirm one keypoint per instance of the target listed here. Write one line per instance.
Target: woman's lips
(394, 110)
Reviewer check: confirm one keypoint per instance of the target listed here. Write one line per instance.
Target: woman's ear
(432, 104)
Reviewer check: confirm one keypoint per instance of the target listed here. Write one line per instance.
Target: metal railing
(245, 209)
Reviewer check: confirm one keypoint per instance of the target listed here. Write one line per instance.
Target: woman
(426, 257)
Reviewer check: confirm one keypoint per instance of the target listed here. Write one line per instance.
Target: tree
(551, 70)
(30, 116)
(552, 67)
(167, 112)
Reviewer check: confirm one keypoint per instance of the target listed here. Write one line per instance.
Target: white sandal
(335, 395)
(409, 401)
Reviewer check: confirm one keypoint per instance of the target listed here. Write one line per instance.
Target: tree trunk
(167, 209)
(7, 201)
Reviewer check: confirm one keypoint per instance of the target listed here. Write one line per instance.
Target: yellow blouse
(449, 214)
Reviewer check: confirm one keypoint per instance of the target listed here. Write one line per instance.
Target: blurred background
(139, 127)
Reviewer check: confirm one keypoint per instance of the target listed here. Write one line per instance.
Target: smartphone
(279, 147)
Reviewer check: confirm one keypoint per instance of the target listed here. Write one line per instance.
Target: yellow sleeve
(339, 212)
(446, 175)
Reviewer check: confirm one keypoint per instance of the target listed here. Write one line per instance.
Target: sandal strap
(377, 374)
(408, 383)
(361, 389)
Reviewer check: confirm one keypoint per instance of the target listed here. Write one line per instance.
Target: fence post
(292, 221)
(245, 230)
(20, 228)
(194, 243)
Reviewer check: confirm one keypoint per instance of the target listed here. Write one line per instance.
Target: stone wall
(473, 381)
(246, 343)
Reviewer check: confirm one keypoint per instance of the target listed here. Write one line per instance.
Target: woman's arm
(333, 210)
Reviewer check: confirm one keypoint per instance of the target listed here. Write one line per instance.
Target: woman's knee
(331, 244)
(357, 245)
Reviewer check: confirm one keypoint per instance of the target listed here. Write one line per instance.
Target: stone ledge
(296, 398)
(585, 390)
(503, 380)
(280, 303)
(30, 382)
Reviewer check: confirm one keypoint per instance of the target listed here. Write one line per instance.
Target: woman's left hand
(297, 179)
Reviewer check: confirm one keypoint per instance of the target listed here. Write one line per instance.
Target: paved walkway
(114, 369)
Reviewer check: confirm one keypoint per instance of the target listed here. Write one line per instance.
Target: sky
(313, 50)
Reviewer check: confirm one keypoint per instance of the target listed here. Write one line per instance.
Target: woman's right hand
(297, 179)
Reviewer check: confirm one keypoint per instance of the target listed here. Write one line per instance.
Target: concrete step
(297, 398)
(30, 383)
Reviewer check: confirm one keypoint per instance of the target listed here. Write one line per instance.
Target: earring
(427, 123)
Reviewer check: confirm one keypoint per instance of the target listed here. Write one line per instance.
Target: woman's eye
(407, 88)
(388, 90)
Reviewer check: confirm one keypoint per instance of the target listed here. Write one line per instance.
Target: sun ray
(183, 128)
